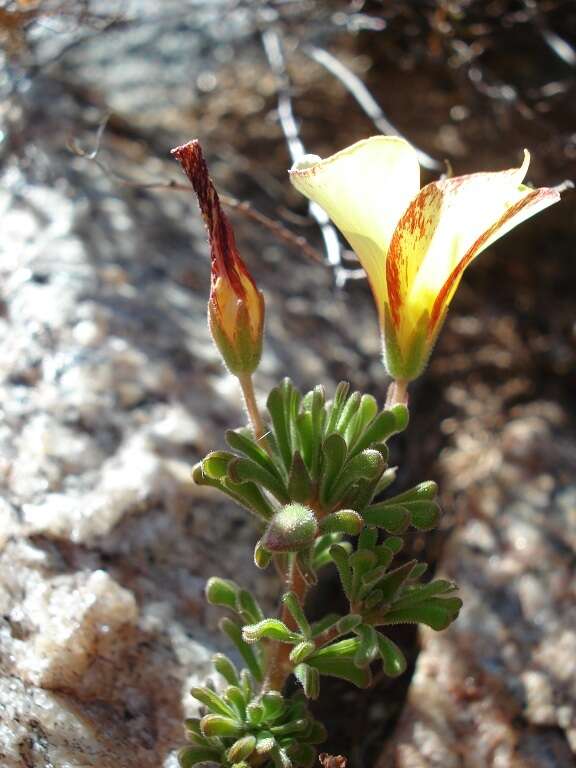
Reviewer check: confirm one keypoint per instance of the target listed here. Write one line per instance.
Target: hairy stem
(278, 664)
(254, 414)
(397, 393)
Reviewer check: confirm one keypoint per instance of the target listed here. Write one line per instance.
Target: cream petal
(364, 189)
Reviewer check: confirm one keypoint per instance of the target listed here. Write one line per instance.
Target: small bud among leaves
(291, 529)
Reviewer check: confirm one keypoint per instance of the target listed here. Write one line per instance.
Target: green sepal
(334, 453)
(272, 629)
(220, 726)
(234, 632)
(294, 527)
(222, 592)
(392, 518)
(393, 660)
(309, 679)
(367, 646)
(343, 521)
(292, 603)
(189, 756)
(248, 608)
(226, 668)
(242, 470)
(436, 612)
(299, 481)
(241, 749)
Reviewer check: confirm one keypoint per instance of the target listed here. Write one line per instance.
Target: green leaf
(341, 558)
(255, 713)
(316, 733)
(274, 705)
(265, 743)
(381, 428)
(248, 608)
(262, 556)
(338, 403)
(393, 660)
(212, 701)
(277, 408)
(222, 592)
(395, 579)
(334, 453)
(426, 491)
(367, 465)
(423, 592)
(242, 748)
(299, 482)
(306, 437)
(215, 465)
(292, 603)
(348, 412)
(239, 442)
(247, 495)
(242, 471)
(189, 756)
(385, 481)
(291, 728)
(366, 412)
(234, 632)
(368, 539)
(226, 668)
(309, 679)
(367, 647)
(341, 666)
(321, 551)
(234, 696)
(424, 515)
(301, 651)
(273, 629)
(437, 613)
(344, 521)
(305, 565)
(394, 544)
(220, 726)
(393, 518)
(327, 621)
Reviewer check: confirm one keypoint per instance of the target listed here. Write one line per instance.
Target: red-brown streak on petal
(444, 294)
(415, 222)
(226, 260)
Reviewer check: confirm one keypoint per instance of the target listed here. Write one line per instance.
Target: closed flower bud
(291, 529)
(236, 306)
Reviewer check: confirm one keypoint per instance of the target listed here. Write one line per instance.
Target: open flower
(236, 306)
(413, 243)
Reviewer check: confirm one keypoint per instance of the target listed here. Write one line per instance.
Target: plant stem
(278, 664)
(397, 393)
(254, 414)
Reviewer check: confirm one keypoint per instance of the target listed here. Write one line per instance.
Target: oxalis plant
(313, 472)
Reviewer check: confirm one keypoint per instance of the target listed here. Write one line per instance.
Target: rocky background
(110, 389)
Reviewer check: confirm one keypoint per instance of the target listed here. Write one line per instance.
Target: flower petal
(449, 223)
(364, 189)
(534, 201)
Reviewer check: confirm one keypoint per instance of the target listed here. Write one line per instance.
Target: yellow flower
(236, 306)
(413, 243)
